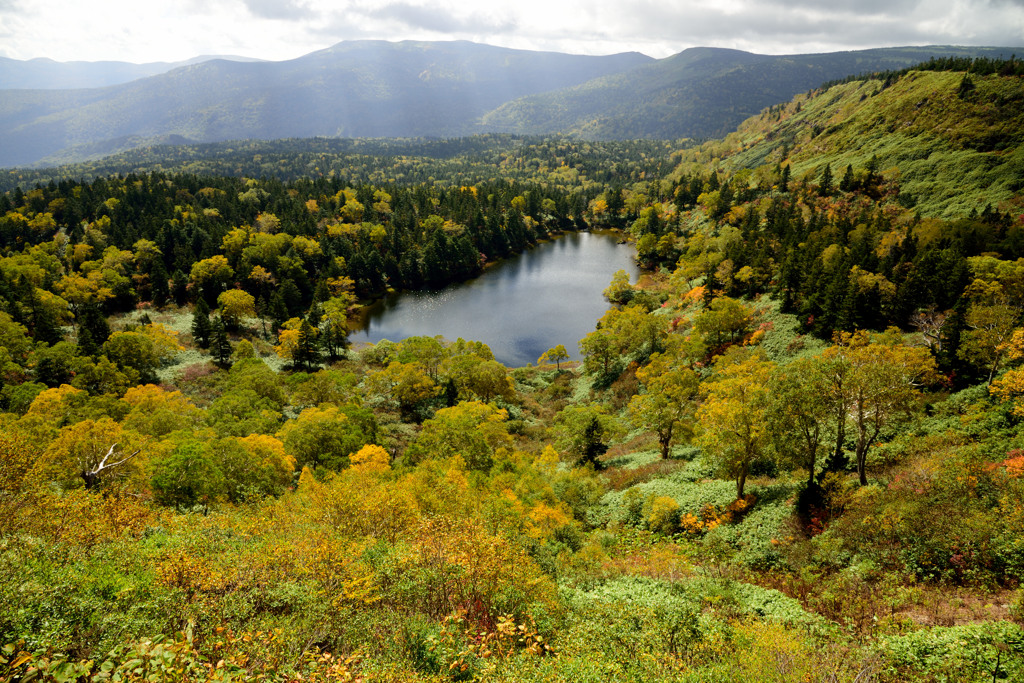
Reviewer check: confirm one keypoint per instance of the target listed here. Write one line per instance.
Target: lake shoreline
(549, 292)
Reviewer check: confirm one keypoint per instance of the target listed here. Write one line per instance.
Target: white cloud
(169, 30)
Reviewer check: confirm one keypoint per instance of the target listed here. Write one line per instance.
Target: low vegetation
(792, 451)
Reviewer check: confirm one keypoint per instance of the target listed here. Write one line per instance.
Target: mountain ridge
(427, 89)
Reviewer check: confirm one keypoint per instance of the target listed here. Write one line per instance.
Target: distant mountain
(46, 74)
(354, 89)
(700, 92)
(411, 89)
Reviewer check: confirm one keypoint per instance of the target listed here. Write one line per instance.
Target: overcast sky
(172, 30)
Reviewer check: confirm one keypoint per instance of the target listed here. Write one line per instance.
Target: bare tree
(930, 323)
(91, 474)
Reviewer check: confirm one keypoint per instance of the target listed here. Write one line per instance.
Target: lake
(520, 307)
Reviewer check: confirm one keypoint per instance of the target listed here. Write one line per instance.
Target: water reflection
(521, 307)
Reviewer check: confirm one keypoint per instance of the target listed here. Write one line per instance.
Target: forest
(791, 451)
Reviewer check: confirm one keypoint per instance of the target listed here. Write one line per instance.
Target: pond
(520, 307)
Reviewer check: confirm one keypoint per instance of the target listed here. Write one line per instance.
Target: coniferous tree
(825, 183)
(848, 183)
(202, 328)
(593, 446)
(158, 284)
(45, 327)
(278, 310)
(93, 329)
(220, 345)
(307, 351)
(179, 287)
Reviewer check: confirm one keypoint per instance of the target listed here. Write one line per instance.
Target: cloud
(795, 26)
(292, 10)
(283, 29)
(441, 20)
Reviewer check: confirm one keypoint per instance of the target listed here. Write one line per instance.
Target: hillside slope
(953, 142)
(354, 89)
(700, 92)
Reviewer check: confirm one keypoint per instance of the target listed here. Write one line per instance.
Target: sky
(173, 30)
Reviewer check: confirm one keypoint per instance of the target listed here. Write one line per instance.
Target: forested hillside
(699, 93)
(431, 89)
(354, 89)
(792, 451)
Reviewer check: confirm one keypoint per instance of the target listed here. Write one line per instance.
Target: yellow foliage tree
(370, 459)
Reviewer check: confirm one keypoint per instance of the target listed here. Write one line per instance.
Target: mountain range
(421, 89)
(47, 74)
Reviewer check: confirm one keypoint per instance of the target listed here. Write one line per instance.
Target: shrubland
(792, 451)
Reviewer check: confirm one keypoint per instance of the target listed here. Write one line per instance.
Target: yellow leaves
(236, 304)
(544, 519)
(53, 405)
(1011, 387)
(165, 340)
(339, 286)
(235, 241)
(79, 289)
(548, 458)
(342, 579)
(211, 271)
(1014, 348)
(188, 573)
(306, 247)
(269, 451)
(370, 459)
(664, 515)
(267, 223)
(288, 342)
(81, 447)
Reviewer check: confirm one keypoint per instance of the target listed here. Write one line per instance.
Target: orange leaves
(543, 520)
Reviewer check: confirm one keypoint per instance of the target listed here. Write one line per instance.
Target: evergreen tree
(848, 183)
(44, 324)
(220, 345)
(202, 328)
(825, 183)
(179, 287)
(93, 329)
(307, 351)
(784, 181)
(593, 446)
(277, 311)
(158, 284)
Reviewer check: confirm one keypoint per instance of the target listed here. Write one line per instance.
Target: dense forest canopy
(792, 450)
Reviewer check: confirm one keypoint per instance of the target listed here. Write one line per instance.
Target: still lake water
(520, 307)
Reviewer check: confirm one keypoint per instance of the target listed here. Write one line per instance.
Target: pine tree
(848, 183)
(179, 287)
(201, 326)
(278, 310)
(593, 446)
(825, 184)
(158, 284)
(93, 329)
(220, 345)
(307, 351)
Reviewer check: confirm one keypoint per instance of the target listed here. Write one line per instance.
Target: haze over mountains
(47, 74)
(410, 89)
